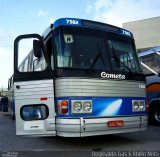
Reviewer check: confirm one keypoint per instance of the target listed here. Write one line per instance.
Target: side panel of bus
(33, 90)
(150, 61)
(153, 95)
(35, 112)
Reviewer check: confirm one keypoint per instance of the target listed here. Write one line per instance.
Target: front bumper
(79, 127)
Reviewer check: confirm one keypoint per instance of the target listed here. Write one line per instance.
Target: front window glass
(123, 57)
(94, 49)
(151, 63)
(82, 49)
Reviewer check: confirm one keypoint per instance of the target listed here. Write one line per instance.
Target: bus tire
(154, 116)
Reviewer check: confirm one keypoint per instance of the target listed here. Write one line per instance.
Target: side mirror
(37, 49)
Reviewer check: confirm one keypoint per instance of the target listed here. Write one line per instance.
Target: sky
(34, 16)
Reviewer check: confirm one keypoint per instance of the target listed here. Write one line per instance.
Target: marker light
(64, 106)
(77, 106)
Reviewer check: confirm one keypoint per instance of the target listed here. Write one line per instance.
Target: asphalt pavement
(148, 140)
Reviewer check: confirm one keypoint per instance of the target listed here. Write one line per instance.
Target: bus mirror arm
(37, 49)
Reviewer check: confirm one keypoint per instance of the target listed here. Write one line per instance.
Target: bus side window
(30, 62)
(26, 65)
(21, 68)
(49, 48)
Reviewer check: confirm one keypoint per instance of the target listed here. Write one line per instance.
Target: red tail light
(64, 106)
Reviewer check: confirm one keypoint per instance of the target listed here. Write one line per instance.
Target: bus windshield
(98, 50)
(151, 63)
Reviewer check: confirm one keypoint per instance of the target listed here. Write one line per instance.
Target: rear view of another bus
(150, 61)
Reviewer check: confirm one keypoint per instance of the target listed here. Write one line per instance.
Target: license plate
(117, 123)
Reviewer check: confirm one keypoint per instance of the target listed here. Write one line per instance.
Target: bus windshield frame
(97, 50)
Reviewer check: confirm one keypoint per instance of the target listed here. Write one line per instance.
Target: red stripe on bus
(42, 99)
(153, 88)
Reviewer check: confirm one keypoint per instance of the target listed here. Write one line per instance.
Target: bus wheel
(154, 116)
(157, 116)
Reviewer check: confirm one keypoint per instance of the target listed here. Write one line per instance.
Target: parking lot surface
(148, 140)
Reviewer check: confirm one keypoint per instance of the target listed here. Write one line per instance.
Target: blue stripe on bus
(103, 107)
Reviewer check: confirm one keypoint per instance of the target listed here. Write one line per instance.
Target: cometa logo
(113, 76)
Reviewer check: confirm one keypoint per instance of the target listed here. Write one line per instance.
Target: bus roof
(150, 51)
(87, 24)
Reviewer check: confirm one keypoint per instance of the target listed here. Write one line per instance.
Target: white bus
(150, 61)
(81, 78)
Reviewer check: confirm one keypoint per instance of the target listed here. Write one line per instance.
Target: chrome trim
(98, 126)
(98, 87)
(34, 89)
(51, 133)
(82, 124)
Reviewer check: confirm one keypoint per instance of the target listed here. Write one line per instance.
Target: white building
(146, 32)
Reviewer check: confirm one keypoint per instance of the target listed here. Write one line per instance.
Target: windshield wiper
(119, 62)
(97, 57)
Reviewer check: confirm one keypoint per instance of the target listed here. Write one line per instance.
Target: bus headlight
(142, 105)
(87, 106)
(77, 106)
(135, 106)
(138, 105)
(81, 106)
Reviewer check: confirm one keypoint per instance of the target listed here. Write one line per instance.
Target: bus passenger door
(33, 88)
